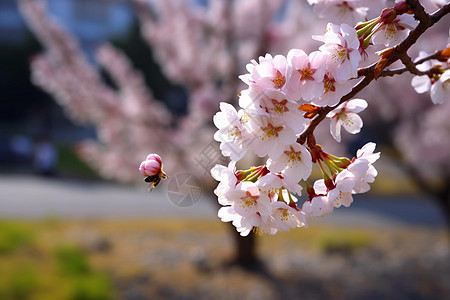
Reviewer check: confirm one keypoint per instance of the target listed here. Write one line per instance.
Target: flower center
(390, 32)
(345, 119)
(271, 131)
(279, 108)
(234, 133)
(293, 156)
(306, 73)
(248, 200)
(284, 214)
(279, 80)
(328, 84)
(340, 54)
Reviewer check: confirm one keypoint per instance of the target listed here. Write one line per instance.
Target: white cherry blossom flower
(392, 33)
(366, 152)
(269, 73)
(342, 193)
(247, 200)
(340, 11)
(232, 133)
(319, 205)
(284, 217)
(333, 90)
(243, 224)
(294, 164)
(227, 180)
(363, 169)
(270, 136)
(346, 115)
(305, 74)
(270, 184)
(440, 90)
(274, 104)
(422, 84)
(342, 45)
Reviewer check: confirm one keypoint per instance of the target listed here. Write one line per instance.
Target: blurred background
(90, 87)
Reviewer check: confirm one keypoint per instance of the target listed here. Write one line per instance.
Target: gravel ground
(191, 261)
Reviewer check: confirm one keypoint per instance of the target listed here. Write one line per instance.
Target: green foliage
(13, 236)
(71, 261)
(20, 284)
(91, 287)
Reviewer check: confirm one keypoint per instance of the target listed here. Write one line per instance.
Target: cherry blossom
(440, 90)
(232, 133)
(346, 115)
(305, 74)
(342, 44)
(285, 217)
(340, 11)
(333, 90)
(269, 73)
(319, 205)
(270, 136)
(342, 193)
(392, 32)
(274, 105)
(247, 200)
(227, 180)
(294, 164)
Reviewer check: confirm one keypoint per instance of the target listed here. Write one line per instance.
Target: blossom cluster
(286, 98)
(283, 94)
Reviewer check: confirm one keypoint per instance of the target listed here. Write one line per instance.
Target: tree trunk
(443, 200)
(246, 255)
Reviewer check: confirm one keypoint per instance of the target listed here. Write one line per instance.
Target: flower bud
(151, 166)
(401, 8)
(388, 15)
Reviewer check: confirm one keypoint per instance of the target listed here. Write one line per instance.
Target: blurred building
(91, 21)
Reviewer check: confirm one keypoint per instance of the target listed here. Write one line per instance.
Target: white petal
(335, 129)
(356, 105)
(352, 122)
(421, 84)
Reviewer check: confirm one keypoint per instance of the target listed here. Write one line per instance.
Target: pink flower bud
(151, 166)
(154, 156)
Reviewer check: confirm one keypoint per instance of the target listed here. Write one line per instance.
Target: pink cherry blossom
(305, 74)
(269, 73)
(151, 166)
(270, 136)
(342, 45)
(273, 104)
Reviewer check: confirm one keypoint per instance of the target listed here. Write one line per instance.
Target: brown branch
(390, 73)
